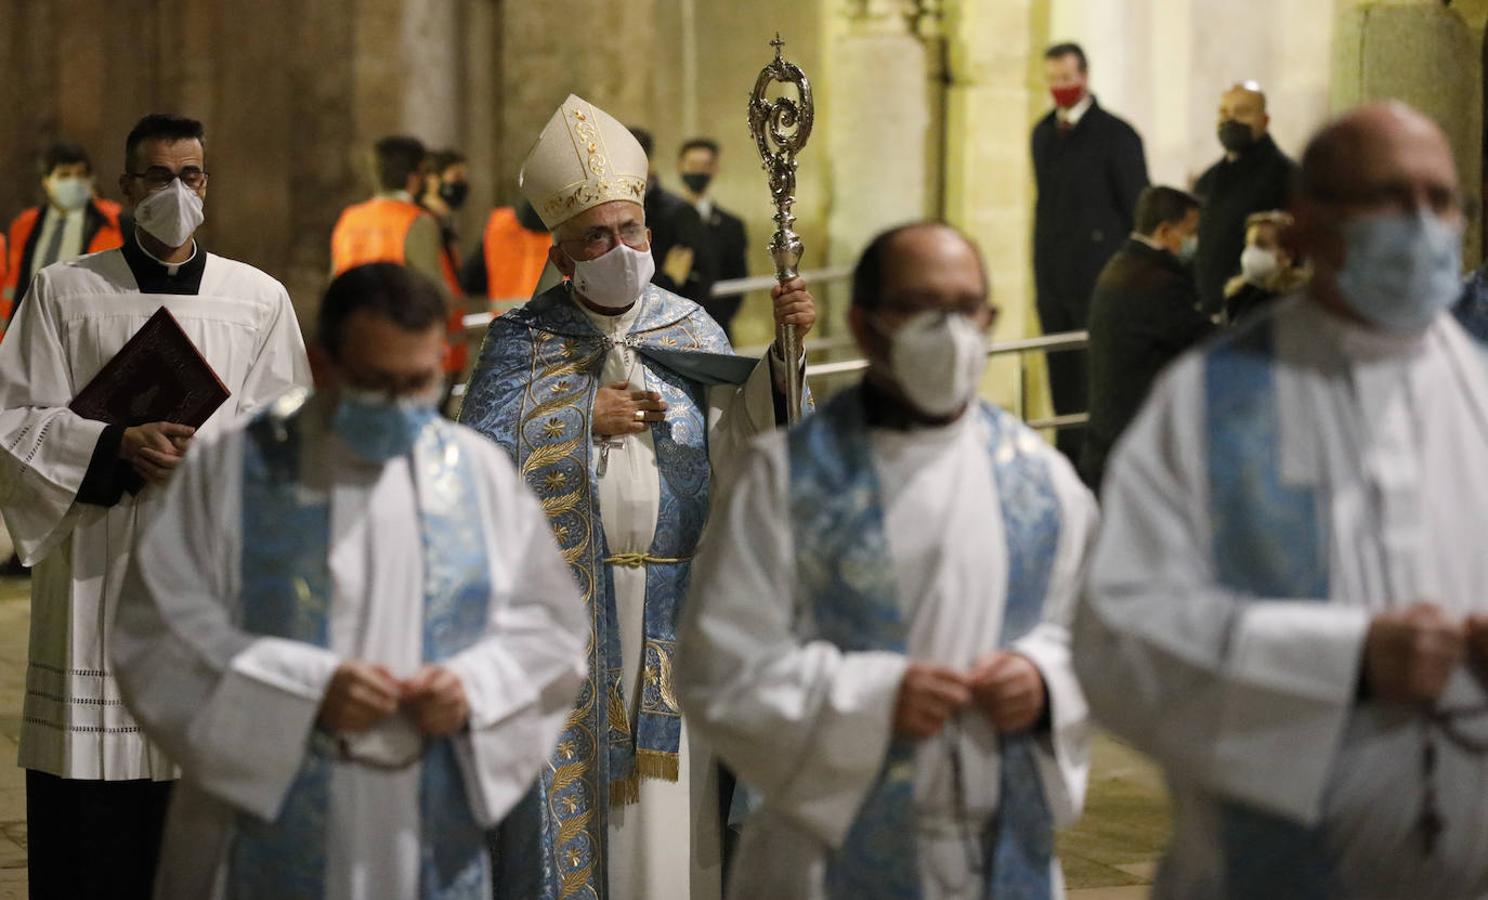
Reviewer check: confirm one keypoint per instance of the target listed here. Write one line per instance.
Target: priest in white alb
(876, 640)
(620, 403)
(74, 491)
(1287, 604)
(352, 628)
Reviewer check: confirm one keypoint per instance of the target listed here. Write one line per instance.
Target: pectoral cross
(605, 445)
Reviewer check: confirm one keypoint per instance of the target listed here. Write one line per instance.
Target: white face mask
(71, 192)
(1258, 264)
(937, 359)
(171, 215)
(1402, 269)
(615, 280)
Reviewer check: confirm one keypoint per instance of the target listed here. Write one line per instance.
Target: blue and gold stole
(846, 573)
(533, 392)
(1268, 544)
(286, 593)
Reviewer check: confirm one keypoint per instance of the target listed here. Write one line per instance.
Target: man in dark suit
(1090, 168)
(697, 166)
(679, 241)
(1144, 313)
(1253, 176)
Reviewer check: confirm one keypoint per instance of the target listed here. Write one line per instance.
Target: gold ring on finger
(640, 415)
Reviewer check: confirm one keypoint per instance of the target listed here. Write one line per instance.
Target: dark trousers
(93, 839)
(1069, 374)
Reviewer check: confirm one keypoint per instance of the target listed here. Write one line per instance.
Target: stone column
(993, 96)
(601, 50)
(881, 147)
(1427, 56)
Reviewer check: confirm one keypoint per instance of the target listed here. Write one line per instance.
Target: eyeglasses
(983, 316)
(1404, 198)
(598, 241)
(158, 177)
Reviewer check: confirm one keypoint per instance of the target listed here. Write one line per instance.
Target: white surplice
(807, 725)
(647, 838)
(1256, 701)
(237, 711)
(77, 315)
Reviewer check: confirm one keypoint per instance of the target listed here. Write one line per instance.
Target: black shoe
(12, 568)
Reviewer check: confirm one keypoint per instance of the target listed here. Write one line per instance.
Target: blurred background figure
(1472, 310)
(70, 221)
(1144, 313)
(1269, 268)
(1252, 176)
(1090, 168)
(697, 166)
(679, 241)
(446, 188)
(394, 227)
(512, 254)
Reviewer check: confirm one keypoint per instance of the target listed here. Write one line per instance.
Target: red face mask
(1066, 97)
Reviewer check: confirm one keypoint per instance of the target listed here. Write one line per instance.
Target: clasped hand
(360, 695)
(1005, 687)
(1411, 653)
(156, 449)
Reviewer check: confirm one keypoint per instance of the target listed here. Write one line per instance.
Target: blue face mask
(1401, 270)
(379, 428)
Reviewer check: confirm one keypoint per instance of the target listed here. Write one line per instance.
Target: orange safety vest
(105, 234)
(515, 257)
(458, 353)
(377, 231)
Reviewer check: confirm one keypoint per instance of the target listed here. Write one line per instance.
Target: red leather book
(157, 376)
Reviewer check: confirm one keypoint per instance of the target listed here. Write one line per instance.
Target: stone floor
(1109, 855)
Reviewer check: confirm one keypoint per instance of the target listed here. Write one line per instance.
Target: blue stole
(287, 593)
(846, 572)
(533, 392)
(1268, 544)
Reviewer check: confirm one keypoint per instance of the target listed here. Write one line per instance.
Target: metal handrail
(1069, 340)
(730, 288)
(736, 286)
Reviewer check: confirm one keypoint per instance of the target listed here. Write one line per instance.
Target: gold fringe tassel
(655, 764)
(625, 791)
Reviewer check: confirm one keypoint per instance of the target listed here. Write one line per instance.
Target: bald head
(1377, 150)
(926, 274)
(1381, 161)
(916, 258)
(1242, 117)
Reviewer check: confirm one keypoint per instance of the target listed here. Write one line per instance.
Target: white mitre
(583, 158)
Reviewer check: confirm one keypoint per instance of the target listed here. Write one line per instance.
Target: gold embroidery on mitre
(584, 157)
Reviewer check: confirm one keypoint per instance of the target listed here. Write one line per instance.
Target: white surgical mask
(171, 215)
(616, 279)
(70, 193)
(1257, 264)
(1188, 249)
(1400, 270)
(937, 359)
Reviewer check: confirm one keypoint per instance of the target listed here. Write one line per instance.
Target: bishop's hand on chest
(622, 406)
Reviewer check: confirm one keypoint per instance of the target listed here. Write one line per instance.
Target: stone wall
(291, 91)
(1430, 57)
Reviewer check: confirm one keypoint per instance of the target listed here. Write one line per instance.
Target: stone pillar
(732, 43)
(882, 146)
(601, 50)
(993, 94)
(1427, 56)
